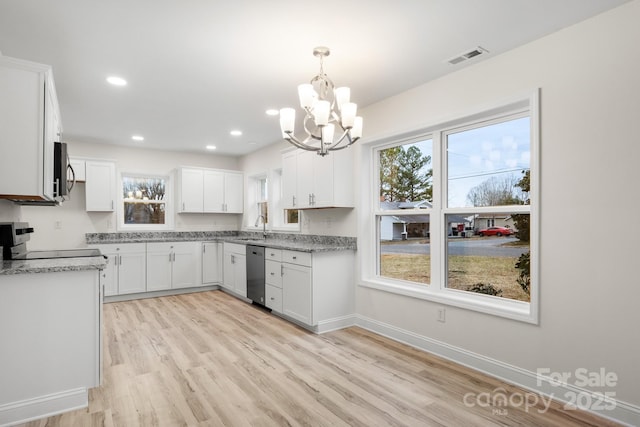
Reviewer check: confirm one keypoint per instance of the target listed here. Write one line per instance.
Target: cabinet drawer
(273, 273)
(273, 254)
(298, 258)
(235, 248)
(273, 298)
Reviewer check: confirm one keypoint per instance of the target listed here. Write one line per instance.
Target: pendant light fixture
(330, 120)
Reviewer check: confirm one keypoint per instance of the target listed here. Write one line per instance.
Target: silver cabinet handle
(204, 248)
(183, 206)
(272, 298)
(281, 270)
(112, 205)
(272, 273)
(294, 201)
(310, 200)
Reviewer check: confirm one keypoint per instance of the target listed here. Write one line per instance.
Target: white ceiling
(198, 69)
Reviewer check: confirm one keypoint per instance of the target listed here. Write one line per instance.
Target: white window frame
(169, 206)
(437, 291)
(253, 198)
(278, 223)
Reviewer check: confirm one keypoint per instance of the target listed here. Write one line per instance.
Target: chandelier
(330, 121)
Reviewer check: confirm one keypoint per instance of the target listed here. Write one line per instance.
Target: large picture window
(455, 212)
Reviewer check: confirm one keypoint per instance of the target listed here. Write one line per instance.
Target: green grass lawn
(463, 272)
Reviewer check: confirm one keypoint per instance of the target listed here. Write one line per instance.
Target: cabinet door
(191, 187)
(240, 279)
(290, 180)
(132, 272)
(296, 292)
(100, 186)
(323, 181)
(211, 262)
(305, 178)
(213, 193)
(228, 271)
(159, 260)
(110, 275)
(185, 265)
(233, 192)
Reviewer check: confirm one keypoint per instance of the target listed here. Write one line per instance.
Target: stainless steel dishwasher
(255, 274)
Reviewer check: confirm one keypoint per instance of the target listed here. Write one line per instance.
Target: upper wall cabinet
(209, 191)
(29, 126)
(100, 187)
(314, 182)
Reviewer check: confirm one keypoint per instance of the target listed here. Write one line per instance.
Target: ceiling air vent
(467, 55)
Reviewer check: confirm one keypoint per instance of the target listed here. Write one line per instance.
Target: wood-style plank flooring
(208, 359)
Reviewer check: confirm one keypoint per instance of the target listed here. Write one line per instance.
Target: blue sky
(476, 155)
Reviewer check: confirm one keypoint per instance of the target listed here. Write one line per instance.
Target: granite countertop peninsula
(290, 241)
(8, 267)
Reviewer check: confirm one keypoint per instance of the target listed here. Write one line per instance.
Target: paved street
(491, 246)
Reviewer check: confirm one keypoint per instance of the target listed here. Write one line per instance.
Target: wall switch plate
(441, 315)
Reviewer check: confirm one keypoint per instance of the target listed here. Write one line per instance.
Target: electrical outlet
(441, 314)
(58, 225)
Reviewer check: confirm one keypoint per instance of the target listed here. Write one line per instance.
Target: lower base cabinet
(234, 271)
(126, 268)
(172, 265)
(297, 293)
(316, 290)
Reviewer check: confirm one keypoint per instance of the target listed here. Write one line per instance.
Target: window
(258, 201)
(283, 219)
(145, 202)
(454, 215)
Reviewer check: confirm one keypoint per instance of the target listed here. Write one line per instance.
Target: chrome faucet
(264, 225)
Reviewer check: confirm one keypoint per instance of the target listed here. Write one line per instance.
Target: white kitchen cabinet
(126, 268)
(212, 254)
(312, 182)
(100, 187)
(233, 192)
(235, 269)
(210, 191)
(213, 193)
(273, 279)
(316, 290)
(191, 188)
(290, 179)
(30, 126)
(172, 265)
(297, 287)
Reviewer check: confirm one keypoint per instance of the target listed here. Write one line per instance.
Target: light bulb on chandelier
(327, 110)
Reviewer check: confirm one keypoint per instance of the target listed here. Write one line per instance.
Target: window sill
(510, 309)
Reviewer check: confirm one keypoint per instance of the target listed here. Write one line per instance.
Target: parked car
(495, 231)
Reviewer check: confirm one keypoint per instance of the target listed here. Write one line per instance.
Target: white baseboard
(43, 406)
(335, 324)
(622, 412)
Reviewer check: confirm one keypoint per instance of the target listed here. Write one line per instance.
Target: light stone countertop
(287, 241)
(52, 265)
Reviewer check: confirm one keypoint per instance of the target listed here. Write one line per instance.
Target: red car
(495, 231)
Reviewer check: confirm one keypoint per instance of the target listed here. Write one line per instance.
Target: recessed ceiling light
(116, 81)
(252, 143)
(137, 138)
(236, 132)
(272, 112)
(211, 147)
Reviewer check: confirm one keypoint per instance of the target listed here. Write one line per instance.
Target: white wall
(590, 150)
(74, 221)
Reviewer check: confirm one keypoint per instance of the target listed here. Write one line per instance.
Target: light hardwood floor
(208, 359)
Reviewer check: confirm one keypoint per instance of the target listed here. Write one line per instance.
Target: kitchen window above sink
(145, 202)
